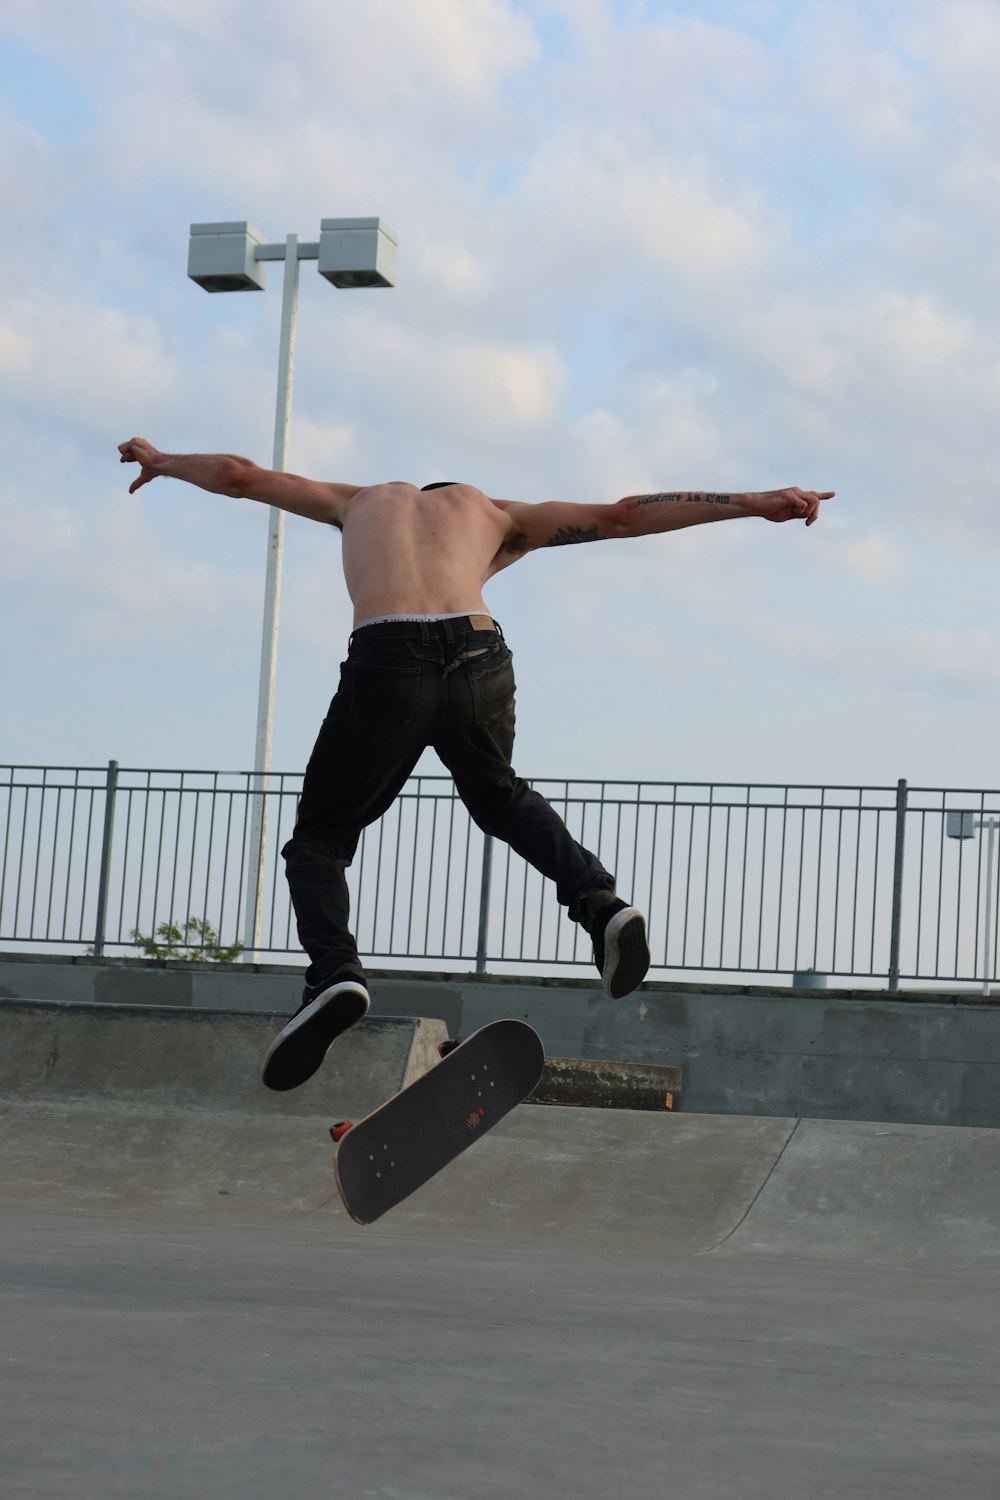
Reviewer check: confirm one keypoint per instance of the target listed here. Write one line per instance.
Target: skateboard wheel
(339, 1130)
(449, 1046)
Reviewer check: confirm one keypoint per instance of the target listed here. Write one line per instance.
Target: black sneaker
(327, 1010)
(621, 951)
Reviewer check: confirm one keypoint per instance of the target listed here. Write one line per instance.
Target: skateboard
(393, 1151)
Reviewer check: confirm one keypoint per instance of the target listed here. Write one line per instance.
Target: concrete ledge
(199, 1060)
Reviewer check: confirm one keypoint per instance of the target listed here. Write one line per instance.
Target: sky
(727, 245)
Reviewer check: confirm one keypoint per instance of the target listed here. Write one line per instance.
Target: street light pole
(227, 257)
(272, 603)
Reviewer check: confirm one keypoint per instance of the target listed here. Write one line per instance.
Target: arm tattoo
(675, 497)
(566, 535)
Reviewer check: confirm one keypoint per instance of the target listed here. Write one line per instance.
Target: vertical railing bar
(196, 792)
(52, 866)
(958, 898)
(465, 879)
(225, 859)
(85, 884)
(896, 919)
(128, 792)
(245, 876)
(670, 880)
(289, 910)
(69, 856)
(781, 878)
(447, 877)
(708, 865)
(763, 877)
(214, 797)
(143, 838)
(417, 803)
(38, 854)
(940, 884)
(111, 785)
(920, 892)
(430, 874)
(798, 894)
(159, 856)
(819, 878)
(176, 856)
(652, 868)
(836, 888)
(878, 847)
(395, 876)
(743, 882)
(981, 849)
(857, 883)
(486, 880)
(687, 888)
(20, 858)
(276, 795)
(725, 887)
(6, 844)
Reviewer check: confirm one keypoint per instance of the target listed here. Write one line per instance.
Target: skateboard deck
(393, 1151)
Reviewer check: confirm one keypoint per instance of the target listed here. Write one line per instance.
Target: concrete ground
(162, 1358)
(588, 1304)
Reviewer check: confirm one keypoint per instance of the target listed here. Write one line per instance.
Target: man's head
(439, 484)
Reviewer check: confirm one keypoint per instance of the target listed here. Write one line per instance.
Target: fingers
(131, 451)
(811, 500)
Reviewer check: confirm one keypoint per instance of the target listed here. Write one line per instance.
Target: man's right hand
(788, 505)
(138, 451)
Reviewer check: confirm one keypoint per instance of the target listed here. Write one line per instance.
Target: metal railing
(736, 880)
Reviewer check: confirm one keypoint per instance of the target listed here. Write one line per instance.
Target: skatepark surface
(589, 1302)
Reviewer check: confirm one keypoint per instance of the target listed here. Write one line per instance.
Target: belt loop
(449, 633)
(425, 633)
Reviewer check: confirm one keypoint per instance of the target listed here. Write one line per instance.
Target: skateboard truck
(341, 1128)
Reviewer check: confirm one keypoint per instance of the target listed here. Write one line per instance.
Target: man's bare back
(431, 552)
(415, 552)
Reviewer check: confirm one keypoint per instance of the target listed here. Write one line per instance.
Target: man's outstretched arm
(556, 524)
(228, 474)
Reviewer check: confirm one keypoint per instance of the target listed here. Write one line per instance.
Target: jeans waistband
(449, 629)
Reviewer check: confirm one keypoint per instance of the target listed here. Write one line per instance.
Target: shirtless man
(428, 665)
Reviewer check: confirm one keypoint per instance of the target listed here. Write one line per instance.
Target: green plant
(197, 942)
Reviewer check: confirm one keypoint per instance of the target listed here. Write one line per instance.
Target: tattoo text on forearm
(678, 497)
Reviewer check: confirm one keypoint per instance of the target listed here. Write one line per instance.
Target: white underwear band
(462, 614)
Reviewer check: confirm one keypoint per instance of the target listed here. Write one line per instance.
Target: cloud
(482, 388)
(113, 577)
(79, 359)
(873, 559)
(920, 338)
(965, 662)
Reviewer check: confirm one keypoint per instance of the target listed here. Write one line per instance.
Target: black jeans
(406, 685)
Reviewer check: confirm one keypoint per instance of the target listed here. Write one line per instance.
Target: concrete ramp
(161, 1113)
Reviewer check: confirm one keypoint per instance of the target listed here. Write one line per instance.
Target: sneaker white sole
(626, 952)
(298, 1050)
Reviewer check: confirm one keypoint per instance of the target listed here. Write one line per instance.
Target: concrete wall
(820, 1054)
